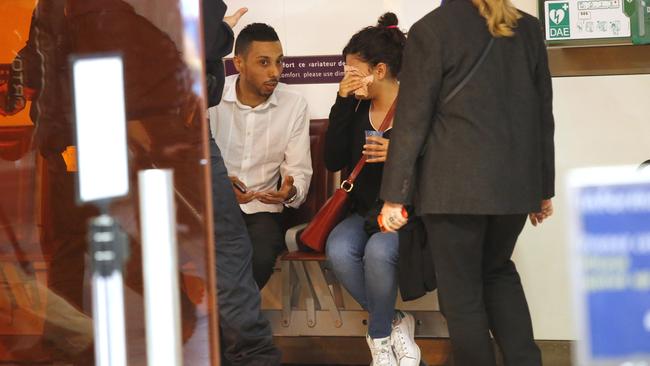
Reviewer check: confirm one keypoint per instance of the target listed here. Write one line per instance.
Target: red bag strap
(348, 184)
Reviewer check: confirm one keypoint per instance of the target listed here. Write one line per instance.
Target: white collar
(231, 96)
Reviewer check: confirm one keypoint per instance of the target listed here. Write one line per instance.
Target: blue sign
(611, 246)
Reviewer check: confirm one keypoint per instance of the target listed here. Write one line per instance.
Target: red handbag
(333, 211)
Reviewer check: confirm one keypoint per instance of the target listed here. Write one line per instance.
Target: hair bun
(387, 20)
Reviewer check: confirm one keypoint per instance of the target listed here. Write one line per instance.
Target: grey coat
(490, 149)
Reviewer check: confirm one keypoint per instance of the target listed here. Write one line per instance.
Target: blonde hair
(500, 15)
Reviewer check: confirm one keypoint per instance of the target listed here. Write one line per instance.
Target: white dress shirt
(262, 145)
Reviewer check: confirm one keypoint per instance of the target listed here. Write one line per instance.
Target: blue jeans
(367, 268)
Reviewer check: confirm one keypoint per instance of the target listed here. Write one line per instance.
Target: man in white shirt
(263, 134)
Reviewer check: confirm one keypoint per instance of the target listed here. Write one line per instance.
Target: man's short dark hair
(259, 32)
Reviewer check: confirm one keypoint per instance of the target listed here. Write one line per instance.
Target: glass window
(45, 303)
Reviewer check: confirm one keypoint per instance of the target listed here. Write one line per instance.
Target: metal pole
(160, 267)
(108, 248)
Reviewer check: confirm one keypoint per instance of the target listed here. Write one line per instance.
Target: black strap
(471, 72)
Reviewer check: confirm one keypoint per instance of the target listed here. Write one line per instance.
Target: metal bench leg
(287, 293)
(323, 292)
(311, 312)
(335, 287)
(310, 302)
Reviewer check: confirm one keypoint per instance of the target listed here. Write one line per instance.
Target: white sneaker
(402, 339)
(382, 352)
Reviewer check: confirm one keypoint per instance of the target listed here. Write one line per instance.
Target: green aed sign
(585, 19)
(559, 26)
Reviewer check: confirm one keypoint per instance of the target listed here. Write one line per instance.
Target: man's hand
(287, 191)
(376, 148)
(233, 19)
(546, 212)
(391, 216)
(242, 197)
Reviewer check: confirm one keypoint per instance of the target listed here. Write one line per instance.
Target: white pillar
(160, 267)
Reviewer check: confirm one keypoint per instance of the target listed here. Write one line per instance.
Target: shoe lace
(381, 356)
(400, 345)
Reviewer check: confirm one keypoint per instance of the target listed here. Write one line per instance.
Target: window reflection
(44, 279)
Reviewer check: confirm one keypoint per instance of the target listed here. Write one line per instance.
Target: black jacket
(490, 149)
(416, 271)
(219, 40)
(344, 140)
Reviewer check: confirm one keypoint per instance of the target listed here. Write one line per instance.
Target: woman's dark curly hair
(382, 43)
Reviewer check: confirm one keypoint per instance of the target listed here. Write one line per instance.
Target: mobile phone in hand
(240, 187)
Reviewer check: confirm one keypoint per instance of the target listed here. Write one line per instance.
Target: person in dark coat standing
(246, 337)
(476, 166)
